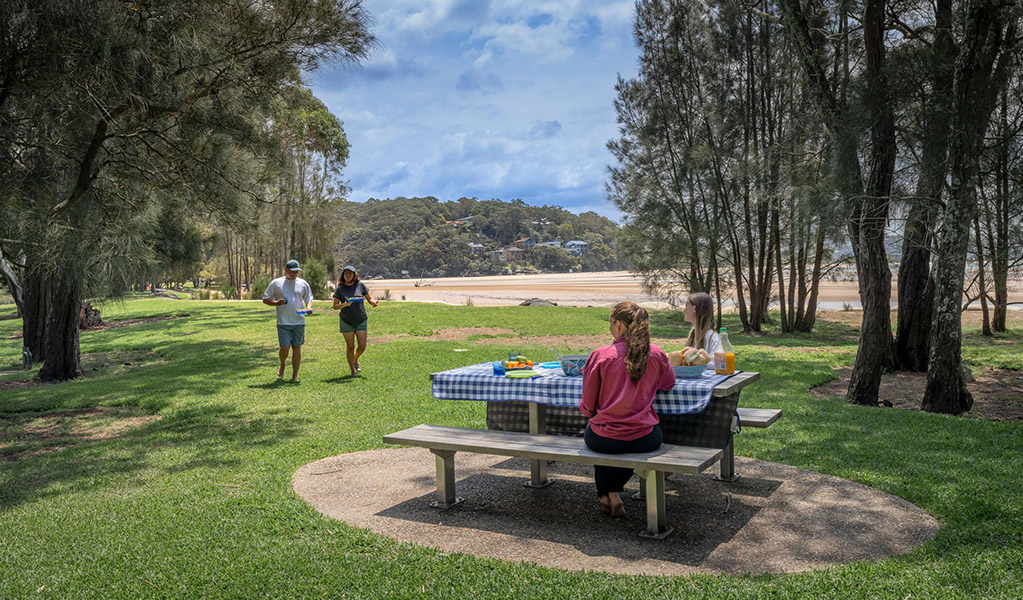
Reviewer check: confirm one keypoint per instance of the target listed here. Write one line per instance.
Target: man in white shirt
(290, 294)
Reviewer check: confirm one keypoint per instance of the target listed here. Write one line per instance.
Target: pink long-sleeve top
(618, 407)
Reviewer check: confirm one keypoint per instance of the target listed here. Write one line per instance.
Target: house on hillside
(524, 244)
(508, 254)
(513, 254)
(554, 244)
(477, 250)
(577, 247)
(455, 223)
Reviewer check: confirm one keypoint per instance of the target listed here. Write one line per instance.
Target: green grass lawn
(194, 500)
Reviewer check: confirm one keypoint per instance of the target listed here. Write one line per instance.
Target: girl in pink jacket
(619, 383)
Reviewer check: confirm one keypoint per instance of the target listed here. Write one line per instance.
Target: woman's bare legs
(360, 337)
(350, 349)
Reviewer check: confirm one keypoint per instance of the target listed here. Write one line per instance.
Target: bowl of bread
(689, 362)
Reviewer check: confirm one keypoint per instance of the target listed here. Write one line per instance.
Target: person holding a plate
(350, 297)
(291, 295)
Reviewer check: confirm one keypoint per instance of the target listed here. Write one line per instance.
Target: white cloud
(493, 99)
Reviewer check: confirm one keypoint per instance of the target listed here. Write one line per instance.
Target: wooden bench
(444, 442)
(756, 418)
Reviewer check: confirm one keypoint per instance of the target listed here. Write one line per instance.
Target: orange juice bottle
(724, 355)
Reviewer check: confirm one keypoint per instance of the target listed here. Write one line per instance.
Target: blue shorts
(290, 335)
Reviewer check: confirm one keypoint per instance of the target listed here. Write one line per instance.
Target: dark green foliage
(315, 275)
(108, 109)
(259, 286)
(417, 235)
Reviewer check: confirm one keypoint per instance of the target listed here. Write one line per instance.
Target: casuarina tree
(108, 107)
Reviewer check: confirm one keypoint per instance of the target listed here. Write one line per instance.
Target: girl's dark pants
(613, 479)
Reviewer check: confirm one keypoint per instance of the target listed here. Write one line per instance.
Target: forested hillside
(424, 237)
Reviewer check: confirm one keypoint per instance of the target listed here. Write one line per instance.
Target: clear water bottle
(724, 356)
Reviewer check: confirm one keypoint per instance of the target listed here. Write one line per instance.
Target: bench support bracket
(656, 509)
(445, 480)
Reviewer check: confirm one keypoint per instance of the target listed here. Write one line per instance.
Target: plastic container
(689, 372)
(573, 364)
(724, 356)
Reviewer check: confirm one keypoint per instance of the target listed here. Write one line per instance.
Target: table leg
(445, 479)
(728, 473)
(538, 468)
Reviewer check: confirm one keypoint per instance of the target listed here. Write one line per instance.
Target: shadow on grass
(343, 379)
(202, 437)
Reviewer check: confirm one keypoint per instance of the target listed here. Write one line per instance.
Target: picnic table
(524, 405)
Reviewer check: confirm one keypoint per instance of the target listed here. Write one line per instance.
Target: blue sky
(487, 98)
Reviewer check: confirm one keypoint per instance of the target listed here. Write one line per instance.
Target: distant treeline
(424, 237)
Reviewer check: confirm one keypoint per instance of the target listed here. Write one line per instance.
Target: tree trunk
(776, 239)
(981, 281)
(973, 103)
(13, 284)
(912, 344)
(998, 232)
(61, 354)
(809, 316)
(874, 354)
(33, 324)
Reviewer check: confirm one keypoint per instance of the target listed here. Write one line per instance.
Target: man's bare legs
(296, 360)
(284, 357)
(350, 349)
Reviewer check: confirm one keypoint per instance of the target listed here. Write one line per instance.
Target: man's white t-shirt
(298, 294)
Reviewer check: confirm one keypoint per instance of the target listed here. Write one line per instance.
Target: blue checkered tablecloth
(554, 388)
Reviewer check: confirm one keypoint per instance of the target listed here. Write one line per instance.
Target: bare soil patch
(26, 435)
(997, 393)
(455, 334)
(774, 519)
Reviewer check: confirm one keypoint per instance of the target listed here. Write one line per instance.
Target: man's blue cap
(293, 265)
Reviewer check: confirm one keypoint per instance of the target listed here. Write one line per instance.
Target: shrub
(259, 286)
(229, 291)
(387, 294)
(846, 306)
(204, 294)
(315, 275)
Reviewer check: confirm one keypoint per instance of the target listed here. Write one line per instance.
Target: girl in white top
(700, 312)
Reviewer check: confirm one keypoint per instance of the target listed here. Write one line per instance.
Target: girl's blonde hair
(637, 336)
(703, 306)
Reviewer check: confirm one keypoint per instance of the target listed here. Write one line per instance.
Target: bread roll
(675, 358)
(695, 357)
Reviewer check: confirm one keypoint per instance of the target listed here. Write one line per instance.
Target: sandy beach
(576, 289)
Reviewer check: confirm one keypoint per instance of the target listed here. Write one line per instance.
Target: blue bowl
(573, 364)
(689, 372)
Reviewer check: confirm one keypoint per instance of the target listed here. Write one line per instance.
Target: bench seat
(758, 418)
(444, 442)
